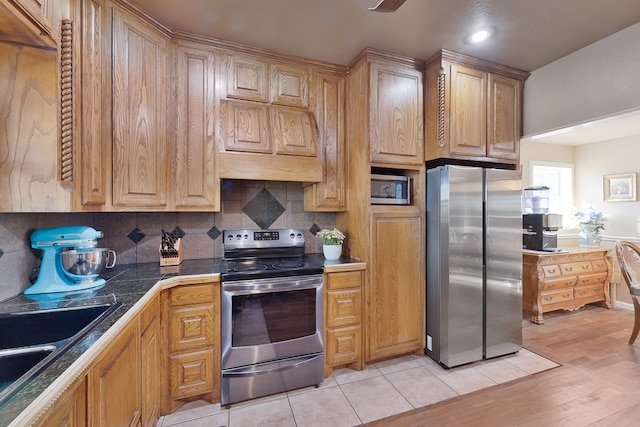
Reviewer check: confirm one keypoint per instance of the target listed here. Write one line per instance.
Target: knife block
(172, 259)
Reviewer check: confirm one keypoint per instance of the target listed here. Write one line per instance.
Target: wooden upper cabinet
(195, 177)
(331, 193)
(396, 114)
(294, 131)
(473, 109)
(140, 145)
(468, 117)
(247, 78)
(504, 117)
(289, 85)
(92, 152)
(40, 11)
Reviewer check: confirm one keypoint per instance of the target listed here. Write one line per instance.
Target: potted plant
(331, 243)
(591, 222)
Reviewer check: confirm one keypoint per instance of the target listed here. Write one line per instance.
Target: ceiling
(527, 34)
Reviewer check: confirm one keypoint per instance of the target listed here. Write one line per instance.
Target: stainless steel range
(272, 314)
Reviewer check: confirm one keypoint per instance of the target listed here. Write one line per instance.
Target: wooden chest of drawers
(567, 281)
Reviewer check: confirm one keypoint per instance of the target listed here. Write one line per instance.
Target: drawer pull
(582, 293)
(551, 286)
(585, 280)
(584, 267)
(552, 270)
(568, 269)
(548, 299)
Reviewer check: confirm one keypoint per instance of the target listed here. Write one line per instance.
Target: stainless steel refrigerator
(474, 263)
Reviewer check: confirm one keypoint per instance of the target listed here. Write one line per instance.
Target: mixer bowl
(87, 262)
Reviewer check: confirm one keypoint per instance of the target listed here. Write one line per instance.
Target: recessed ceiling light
(479, 36)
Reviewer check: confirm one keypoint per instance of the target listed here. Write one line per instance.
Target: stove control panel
(277, 238)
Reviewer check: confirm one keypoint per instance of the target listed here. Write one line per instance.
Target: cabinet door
(195, 181)
(115, 386)
(192, 327)
(150, 349)
(290, 85)
(294, 131)
(331, 193)
(93, 150)
(40, 11)
(468, 113)
(504, 118)
(140, 150)
(245, 127)
(395, 298)
(395, 116)
(247, 78)
(70, 410)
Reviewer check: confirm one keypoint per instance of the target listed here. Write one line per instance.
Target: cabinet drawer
(343, 345)
(575, 268)
(592, 279)
(593, 292)
(191, 327)
(190, 294)
(553, 297)
(191, 373)
(346, 279)
(551, 270)
(555, 284)
(344, 308)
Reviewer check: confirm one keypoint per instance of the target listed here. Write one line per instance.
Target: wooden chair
(628, 255)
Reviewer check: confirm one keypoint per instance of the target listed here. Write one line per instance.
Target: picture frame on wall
(620, 187)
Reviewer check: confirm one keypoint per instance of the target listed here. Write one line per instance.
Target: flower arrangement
(589, 219)
(331, 237)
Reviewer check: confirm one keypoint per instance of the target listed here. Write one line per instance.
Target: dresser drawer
(592, 279)
(551, 270)
(554, 297)
(555, 284)
(600, 265)
(594, 293)
(576, 268)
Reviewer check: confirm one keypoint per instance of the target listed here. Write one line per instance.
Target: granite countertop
(130, 285)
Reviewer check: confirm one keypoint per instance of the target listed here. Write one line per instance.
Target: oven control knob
(299, 236)
(292, 236)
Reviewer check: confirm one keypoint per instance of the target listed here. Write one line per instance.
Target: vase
(588, 237)
(332, 252)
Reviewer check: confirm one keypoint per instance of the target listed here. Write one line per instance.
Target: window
(559, 178)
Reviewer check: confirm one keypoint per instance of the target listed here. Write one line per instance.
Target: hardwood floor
(598, 383)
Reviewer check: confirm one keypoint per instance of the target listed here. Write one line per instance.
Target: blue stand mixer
(70, 260)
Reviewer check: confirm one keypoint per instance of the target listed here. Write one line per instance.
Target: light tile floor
(350, 398)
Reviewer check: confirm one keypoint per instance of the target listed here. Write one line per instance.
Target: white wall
(596, 81)
(593, 161)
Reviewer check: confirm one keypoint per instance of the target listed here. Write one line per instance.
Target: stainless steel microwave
(390, 190)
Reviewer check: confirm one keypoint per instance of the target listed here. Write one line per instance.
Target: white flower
(331, 237)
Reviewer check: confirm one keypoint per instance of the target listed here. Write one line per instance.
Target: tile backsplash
(135, 236)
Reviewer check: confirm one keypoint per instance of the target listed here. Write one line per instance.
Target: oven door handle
(245, 373)
(248, 287)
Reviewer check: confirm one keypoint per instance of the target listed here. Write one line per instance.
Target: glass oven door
(271, 319)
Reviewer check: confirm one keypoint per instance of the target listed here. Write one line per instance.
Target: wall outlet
(429, 343)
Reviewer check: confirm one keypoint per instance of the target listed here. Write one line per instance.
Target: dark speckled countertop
(127, 284)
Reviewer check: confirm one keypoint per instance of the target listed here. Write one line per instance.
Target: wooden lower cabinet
(150, 362)
(564, 281)
(191, 319)
(343, 320)
(395, 294)
(71, 408)
(114, 390)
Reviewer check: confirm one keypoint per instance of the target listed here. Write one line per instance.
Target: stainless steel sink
(32, 340)
(22, 329)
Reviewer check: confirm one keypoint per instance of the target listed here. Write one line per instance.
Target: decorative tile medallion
(264, 209)
(314, 229)
(136, 235)
(214, 233)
